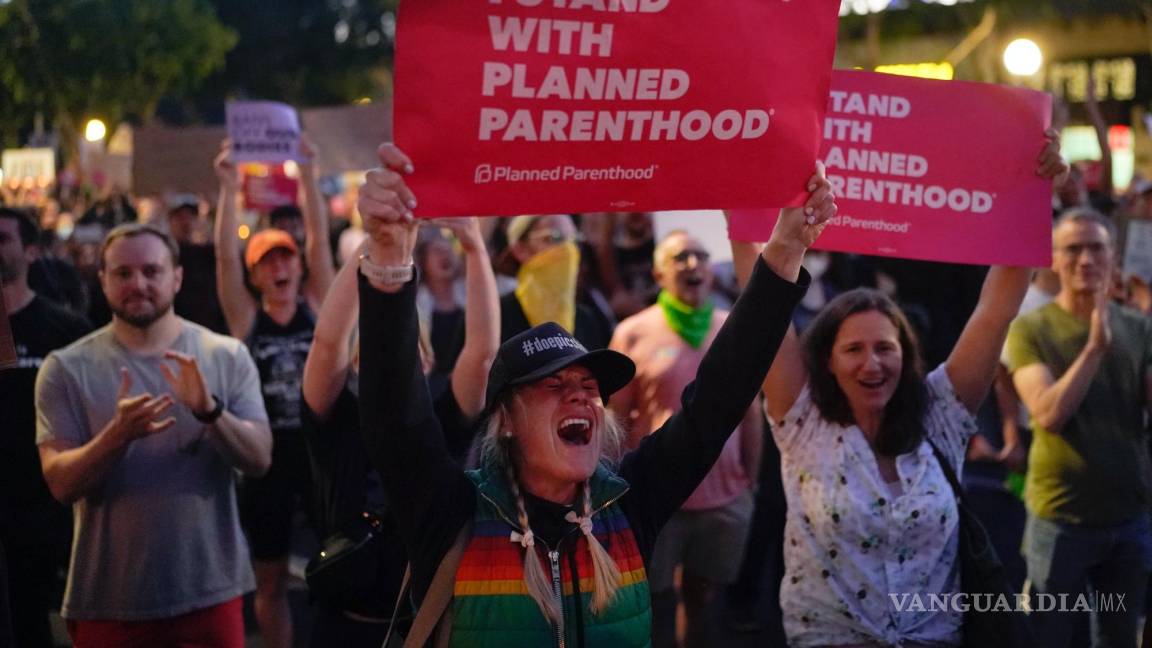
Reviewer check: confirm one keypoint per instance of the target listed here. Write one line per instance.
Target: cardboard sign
(35, 164)
(265, 193)
(1138, 249)
(533, 106)
(263, 131)
(934, 170)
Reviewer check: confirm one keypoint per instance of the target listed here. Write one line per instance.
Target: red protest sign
(522, 106)
(934, 170)
(267, 192)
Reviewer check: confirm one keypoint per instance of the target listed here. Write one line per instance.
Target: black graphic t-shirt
(279, 353)
(38, 329)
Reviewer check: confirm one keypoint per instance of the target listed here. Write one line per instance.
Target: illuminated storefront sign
(1115, 79)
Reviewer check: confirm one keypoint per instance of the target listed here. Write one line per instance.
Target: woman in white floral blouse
(871, 518)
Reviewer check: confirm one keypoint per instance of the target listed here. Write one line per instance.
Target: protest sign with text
(263, 131)
(35, 165)
(934, 170)
(522, 106)
(267, 192)
(1138, 249)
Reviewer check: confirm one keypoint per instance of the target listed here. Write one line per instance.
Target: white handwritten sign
(263, 131)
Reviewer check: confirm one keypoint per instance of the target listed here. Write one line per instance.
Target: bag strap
(439, 594)
(946, 466)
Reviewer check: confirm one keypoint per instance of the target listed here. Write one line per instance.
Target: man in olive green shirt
(1081, 366)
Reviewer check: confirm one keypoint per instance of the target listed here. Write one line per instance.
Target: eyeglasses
(1073, 251)
(682, 258)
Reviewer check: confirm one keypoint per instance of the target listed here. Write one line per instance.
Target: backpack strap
(431, 615)
(949, 473)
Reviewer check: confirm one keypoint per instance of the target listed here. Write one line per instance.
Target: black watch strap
(212, 416)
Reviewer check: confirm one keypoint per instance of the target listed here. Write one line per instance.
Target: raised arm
(481, 319)
(428, 491)
(317, 250)
(973, 362)
(787, 375)
(1100, 125)
(330, 357)
(237, 303)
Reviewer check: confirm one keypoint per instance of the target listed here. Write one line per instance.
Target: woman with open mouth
(554, 530)
(866, 445)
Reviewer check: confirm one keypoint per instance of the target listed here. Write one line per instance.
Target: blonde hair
(496, 448)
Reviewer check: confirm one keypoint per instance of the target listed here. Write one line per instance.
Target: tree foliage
(302, 52)
(71, 59)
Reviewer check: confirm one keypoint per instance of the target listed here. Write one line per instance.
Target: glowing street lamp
(95, 130)
(1022, 57)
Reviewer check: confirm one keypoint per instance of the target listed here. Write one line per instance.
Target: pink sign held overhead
(267, 192)
(933, 170)
(521, 106)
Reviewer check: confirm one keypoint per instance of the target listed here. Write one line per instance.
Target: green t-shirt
(1096, 470)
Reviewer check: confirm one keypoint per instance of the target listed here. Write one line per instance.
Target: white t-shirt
(849, 543)
(161, 535)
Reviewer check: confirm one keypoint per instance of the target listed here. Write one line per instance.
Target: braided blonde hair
(497, 447)
(606, 574)
(539, 584)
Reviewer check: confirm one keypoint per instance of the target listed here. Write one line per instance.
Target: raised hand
(466, 229)
(226, 171)
(139, 416)
(385, 204)
(1100, 328)
(187, 383)
(308, 154)
(801, 226)
(1050, 164)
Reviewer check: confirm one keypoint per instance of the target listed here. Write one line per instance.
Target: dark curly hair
(902, 428)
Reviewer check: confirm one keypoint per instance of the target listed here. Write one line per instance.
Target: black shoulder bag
(982, 573)
(348, 571)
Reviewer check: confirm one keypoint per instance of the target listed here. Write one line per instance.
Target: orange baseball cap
(265, 241)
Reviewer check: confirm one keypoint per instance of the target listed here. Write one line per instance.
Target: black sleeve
(671, 462)
(428, 492)
(458, 430)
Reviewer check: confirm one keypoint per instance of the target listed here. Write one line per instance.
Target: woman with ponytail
(560, 525)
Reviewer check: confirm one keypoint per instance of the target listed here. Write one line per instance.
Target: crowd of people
(559, 428)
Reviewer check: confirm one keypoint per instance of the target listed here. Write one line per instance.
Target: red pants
(219, 626)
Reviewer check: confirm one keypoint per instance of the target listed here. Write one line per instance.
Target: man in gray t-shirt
(142, 426)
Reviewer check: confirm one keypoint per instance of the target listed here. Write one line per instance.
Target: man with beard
(707, 535)
(34, 528)
(142, 426)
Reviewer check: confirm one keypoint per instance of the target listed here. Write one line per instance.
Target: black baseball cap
(545, 349)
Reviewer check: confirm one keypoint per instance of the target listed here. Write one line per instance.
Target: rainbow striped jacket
(491, 606)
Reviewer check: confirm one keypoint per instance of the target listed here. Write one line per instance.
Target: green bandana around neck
(691, 324)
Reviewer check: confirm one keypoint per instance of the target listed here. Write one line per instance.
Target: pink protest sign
(934, 170)
(520, 106)
(265, 193)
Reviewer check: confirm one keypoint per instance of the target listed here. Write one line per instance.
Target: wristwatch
(386, 274)
(213, 415)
